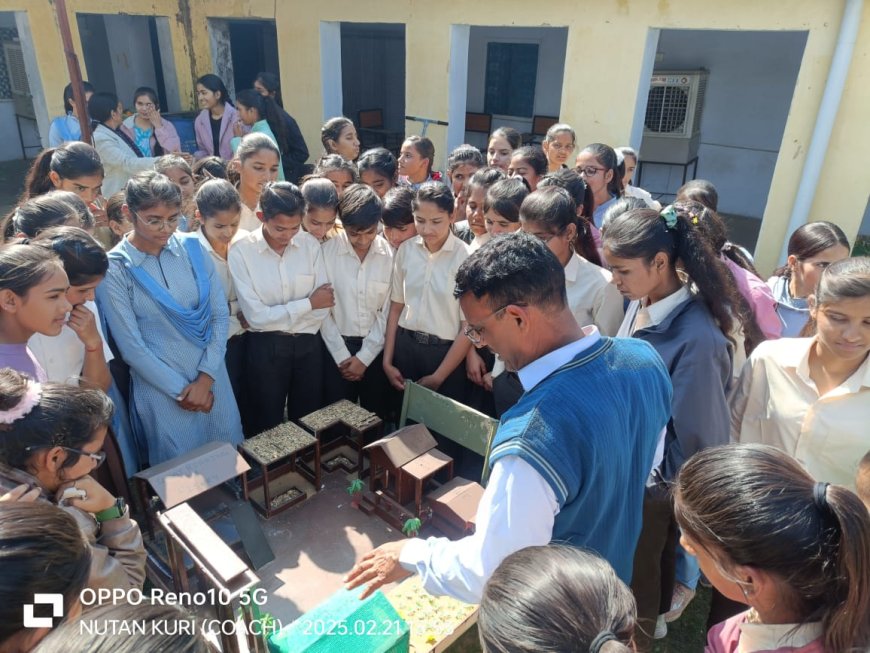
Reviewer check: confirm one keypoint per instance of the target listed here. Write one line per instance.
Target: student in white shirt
(476, 234)
(424, 340)
(810, 397)
(218, 212)
(501, 209)
(284, 294)
(79, 352)
(359, 264)
(257, 161)
(321, 208)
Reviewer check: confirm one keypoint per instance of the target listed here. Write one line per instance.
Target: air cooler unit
(672, 125)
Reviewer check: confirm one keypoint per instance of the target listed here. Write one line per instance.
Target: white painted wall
(551, 69)
(749, 92)
(130, 46)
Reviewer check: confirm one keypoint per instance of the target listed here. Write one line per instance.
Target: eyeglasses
(589, 171)
(561, 148)
(99, 458)
(475, 333)
(157, 223)
(145, 105)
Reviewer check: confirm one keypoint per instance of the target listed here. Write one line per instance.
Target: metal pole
(75, 72)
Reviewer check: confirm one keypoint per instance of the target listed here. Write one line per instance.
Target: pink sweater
(760, 299)
(202, 127)
(724, 637)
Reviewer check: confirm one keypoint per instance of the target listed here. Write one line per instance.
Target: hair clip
(669, 215)
(22, 408)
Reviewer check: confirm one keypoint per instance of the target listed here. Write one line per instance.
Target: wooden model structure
(197, 477)
(454, 506)
(401, 464)
(339, 426)
(278, 452)
(218, 567)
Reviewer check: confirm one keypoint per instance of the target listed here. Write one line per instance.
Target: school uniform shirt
(362, 297)
(272, 288)
(641, 194)
(794, 312)
(63, 356)
(222, 268)
(598, 213)
(776, 402)
(249, 220)
(478, 242)
(64, 129)
(591, 296)
(424, 283)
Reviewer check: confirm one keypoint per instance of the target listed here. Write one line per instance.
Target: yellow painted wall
(602, 73)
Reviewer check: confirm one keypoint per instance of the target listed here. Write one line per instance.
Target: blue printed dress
(162, 359)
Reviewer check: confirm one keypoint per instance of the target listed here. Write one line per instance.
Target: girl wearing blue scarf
(167, 313)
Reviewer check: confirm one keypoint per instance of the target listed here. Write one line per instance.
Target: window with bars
(511, 76)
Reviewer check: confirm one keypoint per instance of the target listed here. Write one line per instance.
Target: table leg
(266, 498)
(317, 466)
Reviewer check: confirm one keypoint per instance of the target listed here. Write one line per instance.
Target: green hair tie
(669, 215)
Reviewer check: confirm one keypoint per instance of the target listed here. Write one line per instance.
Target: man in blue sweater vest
(570, 460)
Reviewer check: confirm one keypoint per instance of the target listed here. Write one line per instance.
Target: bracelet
(91, 351)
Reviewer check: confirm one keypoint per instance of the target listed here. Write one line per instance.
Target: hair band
(601, 639)
(24, 406)
(820, 496)
(669, 215)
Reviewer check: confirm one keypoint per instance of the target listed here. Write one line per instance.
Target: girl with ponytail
(556, 598)
(689, 323)
(758, 296)
(260, 114)
(796, 551)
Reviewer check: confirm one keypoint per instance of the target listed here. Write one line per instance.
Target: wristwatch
(113, 512)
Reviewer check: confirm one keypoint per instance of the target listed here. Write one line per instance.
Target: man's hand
(377, 568)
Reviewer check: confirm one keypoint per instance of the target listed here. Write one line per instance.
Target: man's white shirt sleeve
(518, 509)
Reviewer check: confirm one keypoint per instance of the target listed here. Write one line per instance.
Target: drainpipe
(825, 120)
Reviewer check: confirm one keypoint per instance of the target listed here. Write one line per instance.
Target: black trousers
(416, 360)
(283, 371)
(655, 559)
(370, 391)
(236, 359)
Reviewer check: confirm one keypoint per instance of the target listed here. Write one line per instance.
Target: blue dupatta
(193, 323)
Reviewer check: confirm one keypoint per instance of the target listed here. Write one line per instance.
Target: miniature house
(402, 462)
(454, 506)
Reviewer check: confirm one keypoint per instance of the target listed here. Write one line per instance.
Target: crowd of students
(153, 300)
